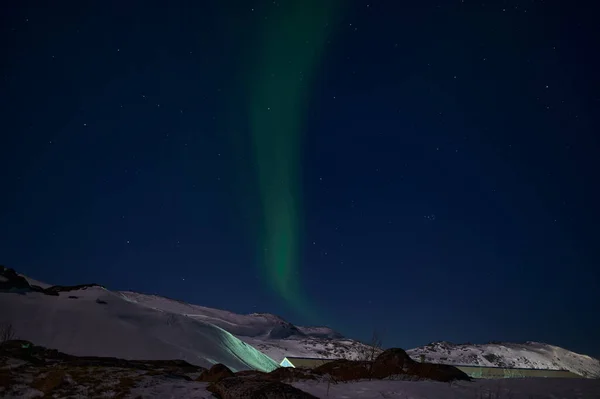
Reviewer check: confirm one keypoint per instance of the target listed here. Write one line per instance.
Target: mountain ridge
(277, 338)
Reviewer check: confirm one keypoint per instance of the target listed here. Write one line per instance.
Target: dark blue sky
(448, 157)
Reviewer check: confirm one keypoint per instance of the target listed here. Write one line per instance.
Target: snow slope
(525, 355)
(271, 334)
(510, 388)
(35, 282)
(250, 325)
(120, 328)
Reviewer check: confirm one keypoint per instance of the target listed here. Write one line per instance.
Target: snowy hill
(526, 355)
(251, 325)
(96, 322)
(268, 333)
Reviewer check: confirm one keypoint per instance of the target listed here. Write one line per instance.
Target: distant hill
(505, 354)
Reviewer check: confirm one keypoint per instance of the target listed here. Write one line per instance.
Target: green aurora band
(290, 48)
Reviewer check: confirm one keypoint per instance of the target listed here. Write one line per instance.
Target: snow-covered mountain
(270, 334)
(97, 322)
(278, 338)
(143, 326)
(92, 320)
(504, 354)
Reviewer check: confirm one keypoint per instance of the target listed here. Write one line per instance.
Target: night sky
(425, 168)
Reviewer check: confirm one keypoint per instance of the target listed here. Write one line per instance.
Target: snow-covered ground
(111, 382)
(98, 322)
(481, 389)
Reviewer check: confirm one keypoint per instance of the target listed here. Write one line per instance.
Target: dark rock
(39, 355)
(395, 361)
(248, 388)
(216, 373)
(391, 361)
(492, 358)
(101, 302)
(345, 370)
(12, 281)
(14, 346)
(283, 329)
(55, 289)
(73, 297)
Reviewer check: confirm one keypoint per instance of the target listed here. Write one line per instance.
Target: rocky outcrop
(250, 388)
(396, 361)
(24, 366)
(55, 289)
(10, 280)
(25, 350)
(391, 361)
(215, 373)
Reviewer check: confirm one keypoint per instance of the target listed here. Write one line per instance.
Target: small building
(503, 372)
(304, 362)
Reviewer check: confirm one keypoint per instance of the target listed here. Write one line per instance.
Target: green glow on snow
(290, 48)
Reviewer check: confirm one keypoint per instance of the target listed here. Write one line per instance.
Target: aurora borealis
(360, 164)
(289, 51)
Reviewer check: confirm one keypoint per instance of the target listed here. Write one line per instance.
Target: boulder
(249, 388)
(391, 361)
(216, 373)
